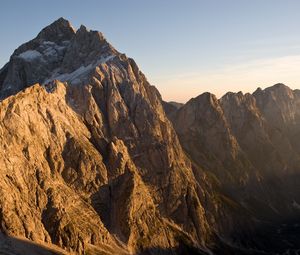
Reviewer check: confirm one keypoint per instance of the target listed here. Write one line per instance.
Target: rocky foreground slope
(90, 163)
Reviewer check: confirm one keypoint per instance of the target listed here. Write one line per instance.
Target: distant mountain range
(93, 161)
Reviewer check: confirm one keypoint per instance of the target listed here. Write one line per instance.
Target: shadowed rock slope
(249, 142)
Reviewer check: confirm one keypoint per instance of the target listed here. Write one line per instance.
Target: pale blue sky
(184, 47)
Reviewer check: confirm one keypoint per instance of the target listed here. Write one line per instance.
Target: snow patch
(71, 77)
(74, 77)
(46, 49)
(30, 55)
(52, 49)
(48, 43)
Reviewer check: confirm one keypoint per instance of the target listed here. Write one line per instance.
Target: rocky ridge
(249, 143)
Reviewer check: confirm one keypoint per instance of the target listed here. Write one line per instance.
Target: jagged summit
(60, 29)
(58, 52)
(277, 88)
(58, 32)
(232, 94)
(206, 96)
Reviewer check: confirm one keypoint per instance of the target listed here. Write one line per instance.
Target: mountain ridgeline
(93, 161)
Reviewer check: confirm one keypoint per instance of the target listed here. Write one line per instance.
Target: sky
(185, 47)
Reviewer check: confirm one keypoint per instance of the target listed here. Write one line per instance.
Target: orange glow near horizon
(246, 77)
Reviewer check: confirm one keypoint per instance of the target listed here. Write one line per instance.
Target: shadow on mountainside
(15, 246)
(181, 250)
(276, 228)
(160, 251)
(280, 237)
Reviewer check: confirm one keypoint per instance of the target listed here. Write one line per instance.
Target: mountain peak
(205, 97)
(83, 32)
(230, 94)
(57, 52)
(278, 87)
(61, 29)
(83, 28)
(62, 22)
(275, 87)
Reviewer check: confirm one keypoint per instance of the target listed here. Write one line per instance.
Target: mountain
(249, 143)
(88, 156)
(93, 161)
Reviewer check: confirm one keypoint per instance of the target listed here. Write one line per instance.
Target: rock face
(206, 135)
(170, 107)
(249, 142)
(38, 198)
(89, 161)
(88, 158)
